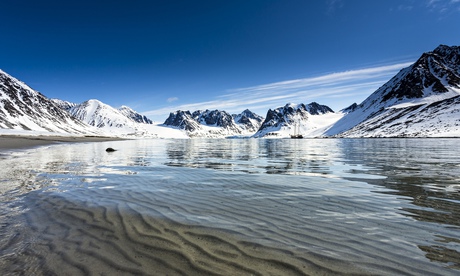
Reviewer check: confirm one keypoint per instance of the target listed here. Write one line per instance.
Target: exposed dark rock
(24, 108)
(224, 123)
(248, 120)
(316, 109)
(289, 114)
(133, 115)
(183, 120)
(216, 118)
(349, 109)
(433, 71)
(419, 92)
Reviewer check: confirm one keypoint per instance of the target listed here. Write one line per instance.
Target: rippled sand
(138, 218)
(106, 231)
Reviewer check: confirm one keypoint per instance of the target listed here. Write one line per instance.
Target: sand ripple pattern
(149, 217)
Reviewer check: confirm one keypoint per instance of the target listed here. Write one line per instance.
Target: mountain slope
(133, 115)
(183, 120)
(103, 116)
(433, 78)
(213, 123)
(21, 107)
(439, 119)
(64, 104)
(123, 122)
(248, 120)
(310, 119)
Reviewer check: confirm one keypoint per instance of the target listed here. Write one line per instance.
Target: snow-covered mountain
(248, 120)
(214, 123)
(64, 104)
(122, 122)
(111, 120)
(439, 119)
(217, 118)
(422, 100)
(182, 120)
(21, 107)
(124, 110)
(133, 115)
(350, 108)
(310, 120)
(98, 114)
(419, 101)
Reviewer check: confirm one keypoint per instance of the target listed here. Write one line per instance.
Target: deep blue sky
(159, 56)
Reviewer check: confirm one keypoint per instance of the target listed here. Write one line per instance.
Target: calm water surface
(233, 207)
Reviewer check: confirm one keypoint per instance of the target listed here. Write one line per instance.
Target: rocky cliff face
(21, 107)
(291, 116)
(216, 118)
(64, 104)
(183, 120)
(133, 115)
(248, 120)
(434, 77)
(421, 100)
(213, 123)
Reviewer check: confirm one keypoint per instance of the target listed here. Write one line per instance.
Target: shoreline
(18, 142)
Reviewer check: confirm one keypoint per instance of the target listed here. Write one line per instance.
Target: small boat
(296, 134)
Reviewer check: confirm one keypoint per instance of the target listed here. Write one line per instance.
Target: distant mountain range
(281, 121)
(422, 100)
(215, 123)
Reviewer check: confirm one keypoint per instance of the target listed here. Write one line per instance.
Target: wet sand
(125, 234)
(11, 142)
(136, 214)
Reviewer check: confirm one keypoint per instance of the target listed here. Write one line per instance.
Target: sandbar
(12, 142)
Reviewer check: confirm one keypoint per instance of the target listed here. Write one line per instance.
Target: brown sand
(11, 142)
(203, 223)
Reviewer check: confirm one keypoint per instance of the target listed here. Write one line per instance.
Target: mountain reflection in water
(426, 170)
(230, 206)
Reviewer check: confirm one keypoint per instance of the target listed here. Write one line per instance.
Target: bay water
(232, 207)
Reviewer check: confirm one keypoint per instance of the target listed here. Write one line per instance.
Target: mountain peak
(214, 123)
(434, 77)
(444, 49)
(27, 109)
(433, 73)
(133, 115)
(248, 120)
(289, 115)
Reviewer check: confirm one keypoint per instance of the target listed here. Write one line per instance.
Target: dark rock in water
(110, 150)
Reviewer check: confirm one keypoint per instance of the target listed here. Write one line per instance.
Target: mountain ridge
(421, 100)
(214, 123)
(27, 109)
(434, 77)
(281, 121)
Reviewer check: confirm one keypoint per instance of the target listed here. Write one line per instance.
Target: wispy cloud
(339, 89)
(403, 7)
(333, 6)
(440, 8)
(443, 7)
(172, 99)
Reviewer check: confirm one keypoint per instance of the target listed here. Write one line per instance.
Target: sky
(161, 56)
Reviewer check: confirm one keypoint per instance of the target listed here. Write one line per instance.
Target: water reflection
(423, 173)
(254, 156)
(426, 171)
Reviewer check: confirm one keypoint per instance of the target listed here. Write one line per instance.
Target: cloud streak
(337, 89)
(444, 8)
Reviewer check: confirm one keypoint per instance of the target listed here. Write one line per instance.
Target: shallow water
(233, 207)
